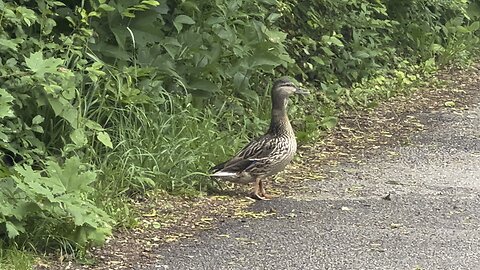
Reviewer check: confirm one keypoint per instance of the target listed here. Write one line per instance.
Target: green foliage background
(100, 100)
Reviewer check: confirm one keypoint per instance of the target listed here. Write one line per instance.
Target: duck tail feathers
(217, 168)
(223, 174)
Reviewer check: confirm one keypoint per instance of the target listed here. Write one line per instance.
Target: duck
(266, 155)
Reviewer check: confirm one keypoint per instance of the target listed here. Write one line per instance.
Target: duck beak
(302, 91)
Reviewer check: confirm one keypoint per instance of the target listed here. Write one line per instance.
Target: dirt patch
(167, 219)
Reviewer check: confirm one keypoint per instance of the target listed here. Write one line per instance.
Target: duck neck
(280, 124)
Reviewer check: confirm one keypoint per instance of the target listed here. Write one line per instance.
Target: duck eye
(288, 84)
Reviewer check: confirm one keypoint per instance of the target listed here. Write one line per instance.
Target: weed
(11, 258)
(100, 102)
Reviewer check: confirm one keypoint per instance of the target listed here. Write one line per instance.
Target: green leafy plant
(45, 187)
(101, 100)
(57, 195)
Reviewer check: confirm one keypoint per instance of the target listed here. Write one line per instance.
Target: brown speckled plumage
(268, 154)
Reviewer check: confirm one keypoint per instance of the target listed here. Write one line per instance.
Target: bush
(347, 42)
(105, 99)
(45, 187)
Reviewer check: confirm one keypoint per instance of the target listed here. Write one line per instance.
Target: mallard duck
(268, 154)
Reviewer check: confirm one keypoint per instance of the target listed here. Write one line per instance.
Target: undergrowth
(12, 258)
(103, 100)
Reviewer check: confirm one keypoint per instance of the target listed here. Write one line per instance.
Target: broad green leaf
(121, 34)
(286, 58)
(5, 104)
(172, 46)
(12, 230)
(55, 185)
(71, 175)
(38, 129)
(361, 54)
(437, 48)
(5, 209)
(104, 138)
(318, 60)
(8, 44)
(37, 120)
(94, 14)
(58, 3)
(332, 40)
(265, 59)
(180, 20)
(79, 214)
(204, 85)
(153, 3)
(276, 36)
(474, 26)
(47, 26)
(24, 208)
(240, 81)
(328, 51)
(224, 32)
(336, 41)
(78, 137)
(40, 66)
(184, 19)
(28, 16)
(31, 180)
(273, 17)
(106, 7)
(473, 9)
(69, 93)
(85, 179)
(64, 109)
(4, 137)
(94, 125)
(215, 20)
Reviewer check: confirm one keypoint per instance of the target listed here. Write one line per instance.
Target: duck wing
(256, 150)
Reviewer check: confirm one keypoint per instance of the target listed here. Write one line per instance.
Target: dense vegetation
(100, 100)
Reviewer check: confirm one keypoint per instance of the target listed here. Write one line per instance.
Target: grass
(168, 151)
(166, 144)
(12, 258)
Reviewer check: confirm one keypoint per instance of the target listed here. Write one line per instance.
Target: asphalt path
(414, 206)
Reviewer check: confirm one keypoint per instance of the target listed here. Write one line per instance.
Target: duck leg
(257, 192)
(262, 191)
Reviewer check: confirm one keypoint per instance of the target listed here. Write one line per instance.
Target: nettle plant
(44, 185)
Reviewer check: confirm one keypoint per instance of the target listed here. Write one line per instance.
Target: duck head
(282, 89)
